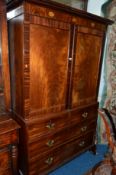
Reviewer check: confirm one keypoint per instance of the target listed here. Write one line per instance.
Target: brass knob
(83, 129)
(49, 161)
(84, 115)
(50, 143)
(70, 58)
(81, 144)
(50, 125)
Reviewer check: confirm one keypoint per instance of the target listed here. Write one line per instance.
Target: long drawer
(6, 172)
(47, 162)
(49, 142)
(8, 138)
(52, 124)
(5, 162)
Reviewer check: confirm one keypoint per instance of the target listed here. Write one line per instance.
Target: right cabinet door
(88, 51)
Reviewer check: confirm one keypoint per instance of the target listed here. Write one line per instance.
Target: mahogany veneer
(8, 145)
(55, 60)
(8, 127)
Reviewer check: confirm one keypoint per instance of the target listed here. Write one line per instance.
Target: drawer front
(47, 125)
(5, 162)
(57, 123)
(6, 172)
(47, 162)
(49, 142)
(8, 138)
(85, 114)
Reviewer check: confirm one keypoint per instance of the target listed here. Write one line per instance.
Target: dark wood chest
(8, 127)
(55, 57)
(9, 131)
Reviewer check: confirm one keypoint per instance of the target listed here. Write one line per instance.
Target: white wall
(94, 6)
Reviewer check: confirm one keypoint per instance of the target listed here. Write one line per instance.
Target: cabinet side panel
(16, 63)
(4, 65)
(86, 71)
(48, 68)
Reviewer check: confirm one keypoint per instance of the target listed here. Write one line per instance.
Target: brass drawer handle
(26, 66)
(50, 143)
(83, 129)
(49, 161)
(50, 125)
(82, 144)
(84, 115)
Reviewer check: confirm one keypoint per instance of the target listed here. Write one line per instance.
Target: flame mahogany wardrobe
(55, 58)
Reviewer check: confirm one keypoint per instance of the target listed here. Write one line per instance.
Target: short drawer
(47, 162)
(84, 114)
(49, 142)
(6, 172)
(5, 162)
(56, 123)
(47, 125)
(8, 138)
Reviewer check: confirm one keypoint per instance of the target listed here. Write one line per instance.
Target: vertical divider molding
(71, 62)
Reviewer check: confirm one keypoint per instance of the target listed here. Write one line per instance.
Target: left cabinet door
(4, 66)
(49, 48)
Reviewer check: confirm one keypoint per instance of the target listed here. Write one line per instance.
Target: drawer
(8, 138)
(56, 123)
(47, 125)
(5, 162)
(84, 114)
(47, 162)
(6, 172)
(49, 142)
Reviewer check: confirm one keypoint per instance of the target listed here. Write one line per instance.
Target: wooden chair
(111, 135)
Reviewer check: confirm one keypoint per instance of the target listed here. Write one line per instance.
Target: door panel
(86, 70)
(48, 68)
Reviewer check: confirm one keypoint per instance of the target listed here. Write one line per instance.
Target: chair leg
(93, 149)
(113, 170)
